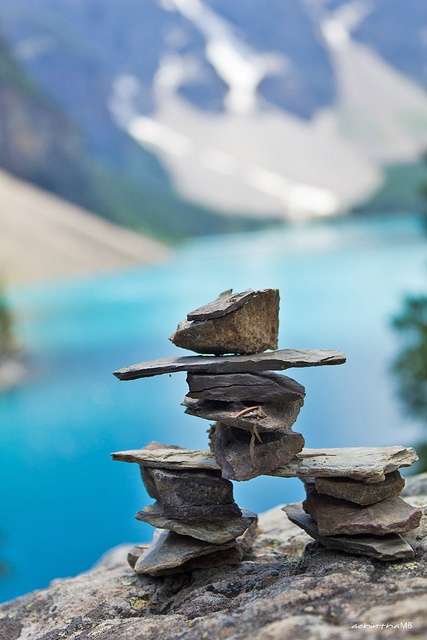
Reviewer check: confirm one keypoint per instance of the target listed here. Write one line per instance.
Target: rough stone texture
(271, 361)
(361, 492)
(336, 517)
(242, 456)
(274, 594)
(215, 531)
(242, 323)
(265, 417)
(188, 495)
(238, 387)
(368, 464)
(386, 548)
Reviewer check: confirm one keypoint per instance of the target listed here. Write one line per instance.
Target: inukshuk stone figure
(253, 410)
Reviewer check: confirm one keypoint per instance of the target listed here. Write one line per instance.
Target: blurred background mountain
(183, 117)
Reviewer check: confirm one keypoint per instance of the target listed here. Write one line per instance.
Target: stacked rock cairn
(352, 502)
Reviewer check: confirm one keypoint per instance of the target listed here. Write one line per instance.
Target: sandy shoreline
(45, 238)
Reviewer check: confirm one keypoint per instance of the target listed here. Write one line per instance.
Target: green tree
(410, 366)
(7, 341)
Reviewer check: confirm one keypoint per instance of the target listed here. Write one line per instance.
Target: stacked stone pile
(202, 525)
(253, 410)
(362, 514)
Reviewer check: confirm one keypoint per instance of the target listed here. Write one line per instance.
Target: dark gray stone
(244, 415)
(213, 531)
(242, 456)
(270, 361)
(240, 387)
(363, 493)
(171, 553)
(336, 517)
(226, 303)
(191, 495)
(246, 322)
(386, 548)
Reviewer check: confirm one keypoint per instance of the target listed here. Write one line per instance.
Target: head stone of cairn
(246, 322)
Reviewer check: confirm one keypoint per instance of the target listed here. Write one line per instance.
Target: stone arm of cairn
(253, 410)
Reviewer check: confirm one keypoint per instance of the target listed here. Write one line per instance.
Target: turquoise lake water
(64, 502)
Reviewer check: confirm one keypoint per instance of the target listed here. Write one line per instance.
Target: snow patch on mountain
(256, 158)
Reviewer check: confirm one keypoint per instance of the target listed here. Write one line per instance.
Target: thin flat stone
(385, 548)
(227, 302)
(213, 531)
(336, 517)
(191, 495)
(265, 417)
(361, 492)
(172, 553)
(238, 387)
(240, 323)
(242, 456)
(269, 361)
(169, 458)
(368, 464)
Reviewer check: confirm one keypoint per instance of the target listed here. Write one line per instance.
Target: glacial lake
(64, 502)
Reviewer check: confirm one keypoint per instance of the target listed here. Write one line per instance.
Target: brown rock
(386, 548)
(245, 415)
(335, 517)
(361, 492)
(242, 456)
(270, 361)
(191, 495)
(246, 322)
(213, 531)
(238, 387)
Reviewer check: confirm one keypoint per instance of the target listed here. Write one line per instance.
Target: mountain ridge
(193, 84)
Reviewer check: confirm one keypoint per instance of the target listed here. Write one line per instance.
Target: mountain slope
(43, 237)
(290, 111)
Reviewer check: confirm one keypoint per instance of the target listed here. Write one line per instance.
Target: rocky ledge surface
(288, 588)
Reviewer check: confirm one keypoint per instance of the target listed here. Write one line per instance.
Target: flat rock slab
(238, 387)
(246, 322)
(226, 303)
(215, 531)
(188, 495)
(269, 361)
(363, 493)
(242, 456)
(386, 548)
(368, 464)
(266, 417)
(336, 517)
(169, 458)
(171, 553)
